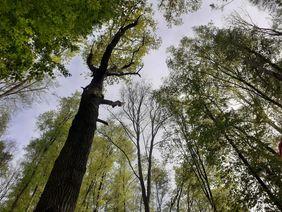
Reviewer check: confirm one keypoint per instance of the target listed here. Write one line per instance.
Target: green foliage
(4, 117)
(174, 9)
(5, 157)
(225, 100)
(108, 182)
(35, 35)
(272, 5)
(160, 185)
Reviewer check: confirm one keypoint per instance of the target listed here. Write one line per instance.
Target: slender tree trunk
(6, 185)
(178, 192)
(142, 183)
(99, 193)
(88, 191)
(32, 197)
(264, 186)
(178, 200)
(199, 167)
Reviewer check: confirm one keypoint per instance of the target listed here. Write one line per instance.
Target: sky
(22, 127)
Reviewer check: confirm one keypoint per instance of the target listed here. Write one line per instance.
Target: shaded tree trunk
(178, 201)
(62, 189)
(175, 198)
(96, 208)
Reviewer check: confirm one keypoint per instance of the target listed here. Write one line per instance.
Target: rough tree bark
(62, 189)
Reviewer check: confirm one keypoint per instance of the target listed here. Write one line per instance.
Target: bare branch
(22, 87)
(130, 135)
(134, 53)
(114, 68)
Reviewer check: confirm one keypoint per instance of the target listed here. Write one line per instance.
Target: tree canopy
(210, 131)
(35, 36)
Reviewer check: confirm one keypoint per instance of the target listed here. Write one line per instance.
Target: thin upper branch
(134, 54)
(107, 54)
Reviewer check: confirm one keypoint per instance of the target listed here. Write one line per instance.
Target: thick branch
(113, 104)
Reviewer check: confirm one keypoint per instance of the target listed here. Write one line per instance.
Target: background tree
(221, 86)
(7, 173)
(174, 9)
(142, 120)
(160, 185)
(121, 179)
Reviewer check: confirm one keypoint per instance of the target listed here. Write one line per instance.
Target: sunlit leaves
(33, 33)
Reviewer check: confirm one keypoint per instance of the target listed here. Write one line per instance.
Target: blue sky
(22, 126)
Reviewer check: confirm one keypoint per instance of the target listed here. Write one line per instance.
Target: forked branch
(119, 74)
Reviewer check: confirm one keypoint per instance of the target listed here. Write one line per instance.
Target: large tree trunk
(62, 189)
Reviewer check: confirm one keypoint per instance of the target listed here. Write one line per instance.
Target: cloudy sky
(22, 126)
